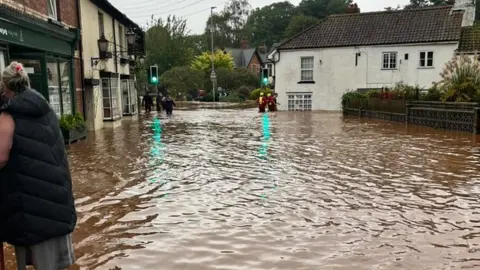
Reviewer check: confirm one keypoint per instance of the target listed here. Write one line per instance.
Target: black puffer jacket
(36, 199)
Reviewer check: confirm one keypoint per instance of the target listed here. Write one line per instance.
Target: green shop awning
(25, 30)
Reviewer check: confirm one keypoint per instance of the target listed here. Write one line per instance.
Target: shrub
(351, 97)
(244, 91)
(232, 97)
(432, 94)
(405, 91)
(71, 121)
(255, 94)
(460, 79)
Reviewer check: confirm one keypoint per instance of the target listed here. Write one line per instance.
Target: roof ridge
(394, 11)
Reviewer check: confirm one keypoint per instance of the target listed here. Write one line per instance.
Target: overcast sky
(197, 11)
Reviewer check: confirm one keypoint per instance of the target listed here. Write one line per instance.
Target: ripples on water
(351, 193)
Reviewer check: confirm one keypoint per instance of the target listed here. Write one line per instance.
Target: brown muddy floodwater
(334, 193)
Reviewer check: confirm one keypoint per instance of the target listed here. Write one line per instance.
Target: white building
(108, 42)
(360, 51)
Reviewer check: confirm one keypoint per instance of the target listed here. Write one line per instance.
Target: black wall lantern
(102, 50)
(131, 37)
(102, 45)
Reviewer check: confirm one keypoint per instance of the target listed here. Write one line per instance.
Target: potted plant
(73, 128)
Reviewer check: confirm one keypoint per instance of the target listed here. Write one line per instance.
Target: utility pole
(213, 76)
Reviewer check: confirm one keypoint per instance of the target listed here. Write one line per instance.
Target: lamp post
(213, 76)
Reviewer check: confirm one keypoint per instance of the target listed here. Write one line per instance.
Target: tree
(221, 59)
(166, 44)
(320, 9)
(229, 24)
(198, 43)
(179, 81)
(424, 3)
(298, 24)
(393, 8)
(268, 24)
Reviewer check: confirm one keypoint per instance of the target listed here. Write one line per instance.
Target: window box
(306, 82)
(123, 60)
(73, 128)
(74, 135)
(105, 55)
(91, 82)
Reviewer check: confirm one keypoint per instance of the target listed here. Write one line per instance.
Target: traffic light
(265, 76)
(153, 78)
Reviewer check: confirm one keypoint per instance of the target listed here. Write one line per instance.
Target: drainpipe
(114, 46)
(80, 50)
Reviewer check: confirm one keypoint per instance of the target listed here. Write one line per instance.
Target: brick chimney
(262, 49)
(353, 8)
(244, 43)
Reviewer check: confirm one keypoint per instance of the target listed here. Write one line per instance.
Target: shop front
(47, 52)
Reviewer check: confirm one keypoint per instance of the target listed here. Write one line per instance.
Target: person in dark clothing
(159, 102)
(37, 207)
(169, 104)
(148, 102)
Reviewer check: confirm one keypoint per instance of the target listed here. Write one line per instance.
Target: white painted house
(111, 93)
(359, 51)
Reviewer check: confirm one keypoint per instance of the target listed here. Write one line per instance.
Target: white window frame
(113, 98)
(299, 101)
(425, 59)
(304, 78)
(52, 9)
(130, 99)
(270, 69)
(389, 65)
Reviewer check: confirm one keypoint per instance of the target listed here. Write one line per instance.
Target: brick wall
(66, 9)
(78, 86)
(255, 61)
(67, 12)
(37, 5)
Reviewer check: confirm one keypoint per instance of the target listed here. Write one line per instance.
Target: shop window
(111, 109)
(54, 87)
(129, 95)
(59, 87)
(66, 88)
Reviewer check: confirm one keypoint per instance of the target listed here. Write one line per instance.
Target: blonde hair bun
(15, 77)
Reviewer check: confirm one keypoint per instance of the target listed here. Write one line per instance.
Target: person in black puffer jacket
(37, 209)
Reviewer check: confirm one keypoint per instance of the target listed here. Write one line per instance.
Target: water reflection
(373, 194)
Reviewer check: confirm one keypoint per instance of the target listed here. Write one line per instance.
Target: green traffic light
(154, 79)
(265, 80)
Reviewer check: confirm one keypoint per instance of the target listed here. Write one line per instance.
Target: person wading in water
(37, 208)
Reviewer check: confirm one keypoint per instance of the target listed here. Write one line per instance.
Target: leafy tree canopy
(203, 62)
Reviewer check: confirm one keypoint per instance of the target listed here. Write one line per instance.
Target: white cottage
(359, 51)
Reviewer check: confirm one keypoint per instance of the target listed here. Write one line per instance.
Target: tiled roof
(431, 24)
(241, 57)
(470, 39)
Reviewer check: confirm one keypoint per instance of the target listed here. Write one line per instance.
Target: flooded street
(332, 193)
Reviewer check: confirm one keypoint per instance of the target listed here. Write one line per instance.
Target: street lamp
(141, 59)
(131, 36)
(213, 76)
(102, 44)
